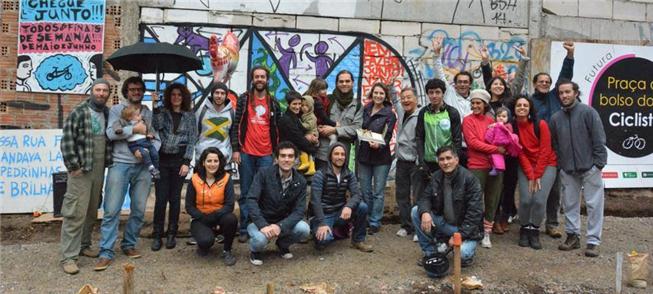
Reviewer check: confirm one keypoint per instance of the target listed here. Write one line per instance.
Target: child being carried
(130, 116)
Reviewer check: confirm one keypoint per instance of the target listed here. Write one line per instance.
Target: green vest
(437, 131)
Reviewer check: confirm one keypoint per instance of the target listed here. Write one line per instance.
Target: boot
(311, 168)
(572, 242)
(497, 229)
(303, 161)
(523, 237)
(170, 241)
(156, 244)
(534, 238)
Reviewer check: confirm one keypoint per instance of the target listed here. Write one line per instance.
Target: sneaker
(510, 219)
(592, 250)
(415, 238)
(441, 247)
(572, 242)
(90, 252)
(285, 253)
(132, 253)
(402, 233)
(156, 244)
(191, 241)
(523, 237)
(466, 262)
(70, 267)
(497, 229)
(102, 264)
(362, 246)
(554, 232)
(255, 258)
(373, 230)
(243, 238)
(486, 243)
(228, 258)
(219, 239)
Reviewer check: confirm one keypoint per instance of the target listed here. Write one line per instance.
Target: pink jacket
(501, 135)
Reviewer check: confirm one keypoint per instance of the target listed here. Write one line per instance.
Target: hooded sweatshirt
(309, 120)
(214, 127)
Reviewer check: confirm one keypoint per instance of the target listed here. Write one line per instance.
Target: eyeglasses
(135, 89)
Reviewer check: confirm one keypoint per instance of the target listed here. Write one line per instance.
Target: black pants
(168, 190)
(205, 235)
(507, 206)
(410, 185)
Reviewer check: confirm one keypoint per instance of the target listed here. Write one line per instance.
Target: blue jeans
(147, 150)
(249, 166)
(442, 231)
(120, 177)
(358, 219)
(373, 195)
(258, 241)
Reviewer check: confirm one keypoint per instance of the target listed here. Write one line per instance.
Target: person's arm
(255, 190)
(545, 148)
(228, 203)
(456, 128)
(355, 192)
(424, 201)
(567, 70)
(157, 119)
(438, 69)
(419, 136)
(68, 144)
(520, 75)
(474, 141)
(599, 153)
(241, 104)
(390, 126)
(297, 214)
(486, 67)
(321, 114)
(317, 184)
(349, 131)
(191, 203)
(474, 213)
(554, 137)
(193, 136)
(295, 134)
(114, 116)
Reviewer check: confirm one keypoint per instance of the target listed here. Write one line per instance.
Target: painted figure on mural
(322, 61)
(23, 72)
(94, 69)
(195, 41)
(288, 55)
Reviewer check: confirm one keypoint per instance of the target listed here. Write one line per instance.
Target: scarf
(343, 99)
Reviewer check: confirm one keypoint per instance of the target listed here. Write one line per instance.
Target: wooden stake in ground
(128, 279)
(457, 241)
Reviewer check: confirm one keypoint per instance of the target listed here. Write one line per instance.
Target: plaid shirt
(181, 141)
(77, 140)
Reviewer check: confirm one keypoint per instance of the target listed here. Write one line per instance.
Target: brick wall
(12, 116)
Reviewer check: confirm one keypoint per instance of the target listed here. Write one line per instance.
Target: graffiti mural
(294, 58)
(60, 45)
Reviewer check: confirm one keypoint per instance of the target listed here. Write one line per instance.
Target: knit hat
(219, 85)
(100, 81)
(480, 94)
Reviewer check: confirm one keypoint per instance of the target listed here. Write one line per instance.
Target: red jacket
(478, 151)
(536, 153)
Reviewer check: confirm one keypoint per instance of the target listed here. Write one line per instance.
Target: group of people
(459, 160)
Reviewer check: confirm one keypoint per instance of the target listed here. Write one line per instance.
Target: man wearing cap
(86, 152)
(478, 155)
(451, 203)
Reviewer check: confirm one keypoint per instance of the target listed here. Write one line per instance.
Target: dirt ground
(29, 263)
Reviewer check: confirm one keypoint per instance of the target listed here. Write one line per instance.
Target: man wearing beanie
(214, 120)
(86, 152)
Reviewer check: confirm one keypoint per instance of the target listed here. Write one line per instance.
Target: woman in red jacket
(537, 171)
(478, 152)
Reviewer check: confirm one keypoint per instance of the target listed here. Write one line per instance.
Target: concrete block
(274, 20)
(506, 34)
(428, 11)
(229, 18)
(595, 9)
(563, 27)
(395, 42)
(410, 43)
(183, 15)
(360, 25)
(317, 23)
(476, 32)
(400, 28)
(649, 12)
(430, 30)
(151, 15)
(562, 7)
(629, 11)
(156, 3)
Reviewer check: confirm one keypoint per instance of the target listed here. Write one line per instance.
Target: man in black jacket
(450, 203)
(276, 203)
(329, 203)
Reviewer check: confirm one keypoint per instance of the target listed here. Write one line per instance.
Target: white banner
(617, 81)
(29, 157)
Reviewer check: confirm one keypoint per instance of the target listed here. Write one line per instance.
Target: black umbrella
(155, 58)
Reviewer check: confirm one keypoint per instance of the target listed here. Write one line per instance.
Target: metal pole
(59, 112)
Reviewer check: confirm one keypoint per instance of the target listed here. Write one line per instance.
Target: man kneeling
(451, 203)
(277, 201)
(330, 206)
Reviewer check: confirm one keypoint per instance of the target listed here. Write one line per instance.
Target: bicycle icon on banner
(634, 141)
(58, 73)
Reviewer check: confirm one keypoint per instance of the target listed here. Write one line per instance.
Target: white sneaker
(486, 243)
(415, 239)
(402, 233)
(287, 255)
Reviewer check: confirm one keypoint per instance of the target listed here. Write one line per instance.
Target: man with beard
(546, 104)
(86, 152)
(254, 136)
(578, 139)
(330, 206)
(127, 172)
(346, 111)
(277, 202)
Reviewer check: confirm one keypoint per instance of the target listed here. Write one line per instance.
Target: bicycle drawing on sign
(634, 141)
